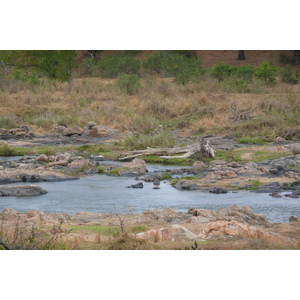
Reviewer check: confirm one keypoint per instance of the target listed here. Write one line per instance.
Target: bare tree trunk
(297, 56)
(241, 55)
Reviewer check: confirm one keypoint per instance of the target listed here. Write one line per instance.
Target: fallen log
(203, 147)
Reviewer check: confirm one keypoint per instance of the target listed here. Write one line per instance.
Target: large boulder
(235, 228)
(201, 215)
(136, 167)
(21, 190)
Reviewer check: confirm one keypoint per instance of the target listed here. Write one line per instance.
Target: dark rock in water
(275, 195)
(296, 192)
(291, 196)
(218, 190)
(295, 185)
(22, 190)
(156, 188)
(186, 185)
(138, 185)
(273, 187)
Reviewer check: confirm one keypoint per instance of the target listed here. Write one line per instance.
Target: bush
(222, 72)
(266, 72)
(128, 84)
(287, 75)
(174, 64)
(113, 66)
(89, 67)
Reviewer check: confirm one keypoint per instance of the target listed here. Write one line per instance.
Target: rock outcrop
(21, 190)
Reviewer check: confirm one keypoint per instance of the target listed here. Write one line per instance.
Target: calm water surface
(101, 193)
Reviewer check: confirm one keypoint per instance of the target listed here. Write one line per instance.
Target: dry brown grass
(204, 105)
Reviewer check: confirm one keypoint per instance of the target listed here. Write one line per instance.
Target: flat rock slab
(32, 176)
(21, 190)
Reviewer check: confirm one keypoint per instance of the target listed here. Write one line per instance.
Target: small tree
(54, 64)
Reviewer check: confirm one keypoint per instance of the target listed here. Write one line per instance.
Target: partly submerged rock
(183, 184)
(21, 190)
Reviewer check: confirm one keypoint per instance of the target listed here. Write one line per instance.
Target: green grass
(6, 150)
(258, 156)
(152, 159)
(255, 184)
(252, 140)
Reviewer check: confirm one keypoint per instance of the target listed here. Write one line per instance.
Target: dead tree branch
(204, 147)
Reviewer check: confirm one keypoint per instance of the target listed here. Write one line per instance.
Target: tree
(241, 55)
(297, 56)
(55, 64)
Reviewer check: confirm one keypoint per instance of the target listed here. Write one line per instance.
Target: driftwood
(203, 147)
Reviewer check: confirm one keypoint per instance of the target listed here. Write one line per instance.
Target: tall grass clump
(161, 139)
(128, 84)
(8, 122)
(140, 124)
(174, 64)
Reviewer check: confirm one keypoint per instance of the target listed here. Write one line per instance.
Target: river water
(101, 193)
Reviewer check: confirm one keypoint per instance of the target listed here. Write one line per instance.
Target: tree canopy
(55, 64)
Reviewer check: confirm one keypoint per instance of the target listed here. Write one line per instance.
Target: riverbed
(101, 193)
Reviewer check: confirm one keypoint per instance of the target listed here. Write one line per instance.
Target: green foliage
(288, 76)
(113, 66)
(50, 63)
(174, 64)
(89, 67)
(266, 72)
(222, 72)
(100, 169)
(25, 76)
(128, 83)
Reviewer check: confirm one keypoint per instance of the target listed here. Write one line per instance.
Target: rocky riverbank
(167, 225)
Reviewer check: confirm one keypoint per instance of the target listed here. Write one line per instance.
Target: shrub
(113, 66)
(89, 67)
(174, 64)
(287, 75)
(222, 72)
(266, 72)
(128, 83)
